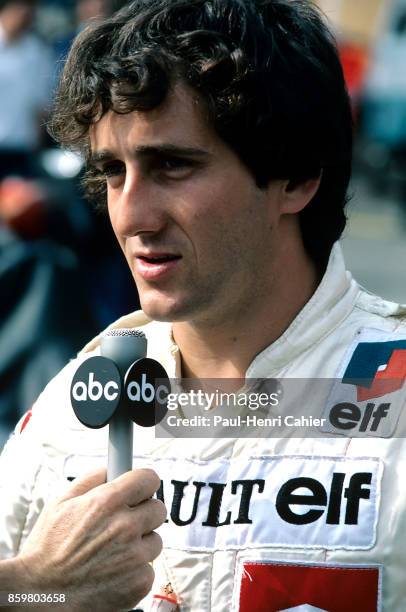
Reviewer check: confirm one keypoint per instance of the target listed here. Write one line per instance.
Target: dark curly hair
(267, 70)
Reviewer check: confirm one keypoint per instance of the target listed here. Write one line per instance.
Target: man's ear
(297, 193)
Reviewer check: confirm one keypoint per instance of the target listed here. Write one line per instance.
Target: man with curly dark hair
(217, 134)
(269, 82)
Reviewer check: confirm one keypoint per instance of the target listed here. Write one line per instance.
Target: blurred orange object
(22, 207)
(354, 58)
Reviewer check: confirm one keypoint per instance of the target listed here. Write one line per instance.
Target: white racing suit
(258, 524)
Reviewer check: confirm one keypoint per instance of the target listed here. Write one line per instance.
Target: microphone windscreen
(124, 331)
(123, 346)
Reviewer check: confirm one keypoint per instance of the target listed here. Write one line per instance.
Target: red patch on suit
(26, 419)
(275, 586)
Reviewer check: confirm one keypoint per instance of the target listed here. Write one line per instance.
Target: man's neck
(226, 348)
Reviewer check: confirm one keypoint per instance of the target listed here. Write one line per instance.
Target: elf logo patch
(377, 368)
(308, 587)
(284, 501)
(369, 395)
(273, 501)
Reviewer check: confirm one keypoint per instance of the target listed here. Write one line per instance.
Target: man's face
(195, 229)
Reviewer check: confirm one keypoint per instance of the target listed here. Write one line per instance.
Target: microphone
(123, 347)
(117, 388)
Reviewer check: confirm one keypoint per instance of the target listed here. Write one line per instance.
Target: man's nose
(140, 206)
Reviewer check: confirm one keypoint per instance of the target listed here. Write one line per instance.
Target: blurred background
(62, 278)
(372, 41)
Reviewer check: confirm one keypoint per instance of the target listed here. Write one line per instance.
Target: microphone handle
(120, 456)
(123, 350)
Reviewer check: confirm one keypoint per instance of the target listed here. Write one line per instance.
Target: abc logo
(94, 390)
(146, 390)
(97, 391)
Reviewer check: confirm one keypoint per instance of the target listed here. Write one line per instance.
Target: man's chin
(164, 311)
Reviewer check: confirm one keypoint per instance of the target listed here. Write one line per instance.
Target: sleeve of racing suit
(20, 464)
(30, 466)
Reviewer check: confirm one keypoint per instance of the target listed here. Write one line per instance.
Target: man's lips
(155, 265)
(156, 256)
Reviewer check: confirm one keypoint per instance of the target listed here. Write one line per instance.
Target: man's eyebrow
(149, 151)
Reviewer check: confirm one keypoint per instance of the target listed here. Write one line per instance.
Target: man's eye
(112, 169)
(107, 170)
(175, 165)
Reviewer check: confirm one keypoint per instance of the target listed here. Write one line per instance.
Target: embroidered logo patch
(277, 501)
(377, 368)
(308, 587)
(312, 502)
(369, 398)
